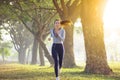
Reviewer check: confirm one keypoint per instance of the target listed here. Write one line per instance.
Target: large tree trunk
(28, 55)
(69, 60)
(34, 51)
(21, 56)
(41, 56)
(92, 13)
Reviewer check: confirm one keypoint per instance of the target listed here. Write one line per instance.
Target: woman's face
(57, 25)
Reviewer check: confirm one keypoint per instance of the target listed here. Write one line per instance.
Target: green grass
(30, 72)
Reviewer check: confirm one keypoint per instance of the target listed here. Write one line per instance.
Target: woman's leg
(54, 55)
(60, 54)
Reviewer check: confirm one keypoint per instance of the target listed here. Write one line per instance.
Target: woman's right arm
(51, 35)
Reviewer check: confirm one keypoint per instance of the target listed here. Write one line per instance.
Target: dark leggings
(57, 54)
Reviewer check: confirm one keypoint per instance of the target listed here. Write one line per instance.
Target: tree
(32, 11)
(68, 10)
(5, 49)
(16, 30)
(91, 16)
(21, 38)
(4, 52)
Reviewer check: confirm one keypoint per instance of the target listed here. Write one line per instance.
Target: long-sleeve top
(58, 38)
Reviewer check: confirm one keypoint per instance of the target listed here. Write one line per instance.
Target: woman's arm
(61, 35)
(51, 35)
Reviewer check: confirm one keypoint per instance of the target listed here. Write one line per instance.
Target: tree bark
(21, 56)
(47, 55)
(69, 60)
(92, 13)
(34, 51)
(28, 55)
(41, 56)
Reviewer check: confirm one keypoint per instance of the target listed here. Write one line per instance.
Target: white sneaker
(57, 78)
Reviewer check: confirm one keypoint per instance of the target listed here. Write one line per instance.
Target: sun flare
(78, 23)
(111, 16)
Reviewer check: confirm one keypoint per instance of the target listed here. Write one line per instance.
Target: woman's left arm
(61, 35)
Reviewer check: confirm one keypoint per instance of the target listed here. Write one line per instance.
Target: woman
(58, 35)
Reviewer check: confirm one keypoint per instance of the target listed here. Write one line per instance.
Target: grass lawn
(30, 72)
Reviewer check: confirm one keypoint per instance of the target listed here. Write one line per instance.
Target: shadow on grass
(114, 76)
(27, 75)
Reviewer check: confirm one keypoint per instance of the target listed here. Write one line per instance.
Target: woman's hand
(49, 39)
(57, 31)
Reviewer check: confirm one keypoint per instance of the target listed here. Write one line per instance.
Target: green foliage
(5, 47)
(28, 72)
(6, 51)
(7, 13)
(28, 10)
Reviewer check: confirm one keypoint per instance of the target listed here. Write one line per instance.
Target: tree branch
(65, 10)
(49, 19)
(14, 43)
(26, 26)
(19, 17)
(75, 3)
(47, 22)
(46, 8)
(13, 39)
(76, 12)
(57, 7)
(21, 9)
(68, 3)
(63, 5)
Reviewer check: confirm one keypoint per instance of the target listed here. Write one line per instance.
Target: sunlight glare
(111, 16)
(78, 23)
